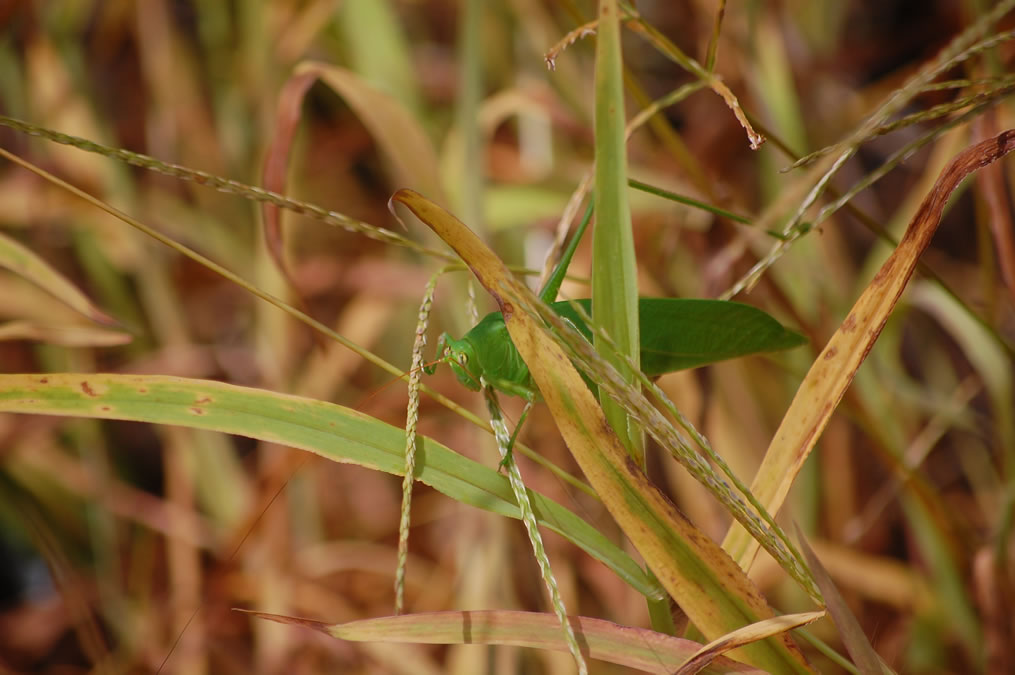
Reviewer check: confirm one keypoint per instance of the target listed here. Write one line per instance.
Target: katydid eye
(463, 359)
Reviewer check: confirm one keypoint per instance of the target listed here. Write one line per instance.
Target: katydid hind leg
(509, 454)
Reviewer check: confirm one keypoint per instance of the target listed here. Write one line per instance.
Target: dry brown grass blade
(991, 183)
(859, 647)
(746, 635)
(276, 162)
(573, 36)
(833, 370)
(397, 134)
(319, 626)
(992, 583)
(635, 648)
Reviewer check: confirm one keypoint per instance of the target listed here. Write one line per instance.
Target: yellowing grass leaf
(603, 640)
(332, 431)
(833, 370)
(742, 636)
(65, 335)
(717, 595)
(23, 262)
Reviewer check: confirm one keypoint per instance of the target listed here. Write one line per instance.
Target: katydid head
(461, 356)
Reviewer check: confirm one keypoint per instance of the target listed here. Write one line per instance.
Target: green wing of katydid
(679, 333)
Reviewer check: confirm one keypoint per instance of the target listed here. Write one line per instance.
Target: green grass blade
(687, 201)
(552, 287)
(329, 430)
(614, 266)
(382, 55)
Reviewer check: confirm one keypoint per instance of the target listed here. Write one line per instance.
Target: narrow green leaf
(614, 267)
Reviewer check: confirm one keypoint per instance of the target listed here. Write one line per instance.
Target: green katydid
(676, 333)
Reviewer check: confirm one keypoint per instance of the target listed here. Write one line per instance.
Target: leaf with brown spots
(833, 371)
(332, 431)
